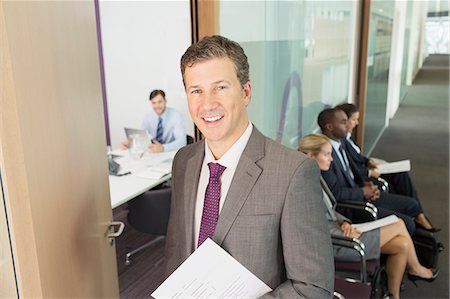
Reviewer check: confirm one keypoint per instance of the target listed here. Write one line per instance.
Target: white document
(366, 226)
(394, 167)
(211, 272)
(153, 173)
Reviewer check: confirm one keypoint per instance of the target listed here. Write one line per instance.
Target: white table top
(124, 188)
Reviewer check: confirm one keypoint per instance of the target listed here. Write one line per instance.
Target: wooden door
(52, 150)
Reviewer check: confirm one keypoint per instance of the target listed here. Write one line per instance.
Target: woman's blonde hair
(312, 143)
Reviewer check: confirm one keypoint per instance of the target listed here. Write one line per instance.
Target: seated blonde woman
(392, 240)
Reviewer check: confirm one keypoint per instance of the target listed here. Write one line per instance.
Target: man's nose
(209, 100)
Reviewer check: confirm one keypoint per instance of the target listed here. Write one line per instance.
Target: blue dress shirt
(174, 135)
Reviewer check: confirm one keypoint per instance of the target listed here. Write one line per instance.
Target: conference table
(138, 175)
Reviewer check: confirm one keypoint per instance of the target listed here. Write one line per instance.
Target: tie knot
(215, 169)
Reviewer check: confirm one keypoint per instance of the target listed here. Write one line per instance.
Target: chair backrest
(189, 139)
(149, 212)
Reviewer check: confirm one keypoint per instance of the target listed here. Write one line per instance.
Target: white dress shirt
(230, 160)
(174, 135)
(354, 145)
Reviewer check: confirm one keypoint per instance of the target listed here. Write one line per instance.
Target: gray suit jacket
(272, 220)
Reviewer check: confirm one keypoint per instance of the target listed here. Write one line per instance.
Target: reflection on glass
(380, 34)
(299, 54)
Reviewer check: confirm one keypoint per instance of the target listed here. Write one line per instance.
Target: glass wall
(437, 34)
(300, 55)
(407, 33)
(379, 49)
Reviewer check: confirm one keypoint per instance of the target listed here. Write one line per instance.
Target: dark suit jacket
(360, 161)
(341, 184)
(272, 220)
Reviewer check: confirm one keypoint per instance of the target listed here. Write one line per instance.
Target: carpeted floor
(420, 132)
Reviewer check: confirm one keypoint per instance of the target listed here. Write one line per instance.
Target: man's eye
(221, 87)
(195, 91)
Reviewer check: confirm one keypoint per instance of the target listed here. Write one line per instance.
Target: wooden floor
(145, 273)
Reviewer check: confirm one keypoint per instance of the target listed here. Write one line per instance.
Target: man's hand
(155, 147)
(372, 164)
(371, 191)
(374, 173)
(124, 145)
(349, 230)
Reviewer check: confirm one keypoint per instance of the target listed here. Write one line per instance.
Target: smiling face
(158, 104)
(217, 102)
(352, 122)
(324, 157)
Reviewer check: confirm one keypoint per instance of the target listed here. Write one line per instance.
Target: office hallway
(419, 131)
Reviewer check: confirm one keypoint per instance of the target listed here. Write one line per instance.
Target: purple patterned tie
(210, 213)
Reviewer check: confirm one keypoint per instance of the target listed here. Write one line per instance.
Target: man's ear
(329, 127)
(247, 90)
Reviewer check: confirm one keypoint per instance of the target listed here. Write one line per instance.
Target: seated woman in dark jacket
(392, 240)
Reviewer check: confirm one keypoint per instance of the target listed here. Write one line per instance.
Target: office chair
(149, 213)
(350, 289)
(363, 274)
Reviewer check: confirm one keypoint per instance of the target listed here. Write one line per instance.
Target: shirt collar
(163, 115)
(335, 144)
(231, 158)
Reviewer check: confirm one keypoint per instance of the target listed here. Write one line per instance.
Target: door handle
(112, 233)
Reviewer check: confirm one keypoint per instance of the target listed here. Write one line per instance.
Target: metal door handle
(119, 231)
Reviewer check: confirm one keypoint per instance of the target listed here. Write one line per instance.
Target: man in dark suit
(346, 182)
(258, 200)
(399, 183)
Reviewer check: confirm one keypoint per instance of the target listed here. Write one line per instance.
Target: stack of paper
(366, 226)
(394, 167)
(211, 272)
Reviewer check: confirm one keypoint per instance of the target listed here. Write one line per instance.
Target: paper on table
(153, 173)
(366, 226)
(211, 272)
(394, 167)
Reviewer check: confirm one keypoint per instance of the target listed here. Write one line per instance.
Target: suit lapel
(191, 179)
(341, 168)
(244, 179)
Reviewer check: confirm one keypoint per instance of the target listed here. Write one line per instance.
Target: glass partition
(407, 33)
(300, 55)
(379, 50)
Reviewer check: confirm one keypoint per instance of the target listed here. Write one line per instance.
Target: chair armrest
(355, 244)
(383, 184)
(368, 209)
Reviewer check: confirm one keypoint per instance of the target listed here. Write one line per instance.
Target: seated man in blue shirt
(164, 124)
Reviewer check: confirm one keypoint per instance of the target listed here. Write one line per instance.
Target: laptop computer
(143, 137)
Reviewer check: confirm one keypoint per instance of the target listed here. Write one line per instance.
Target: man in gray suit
(258, 200)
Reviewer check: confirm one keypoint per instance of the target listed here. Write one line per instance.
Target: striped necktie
(159, 131)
